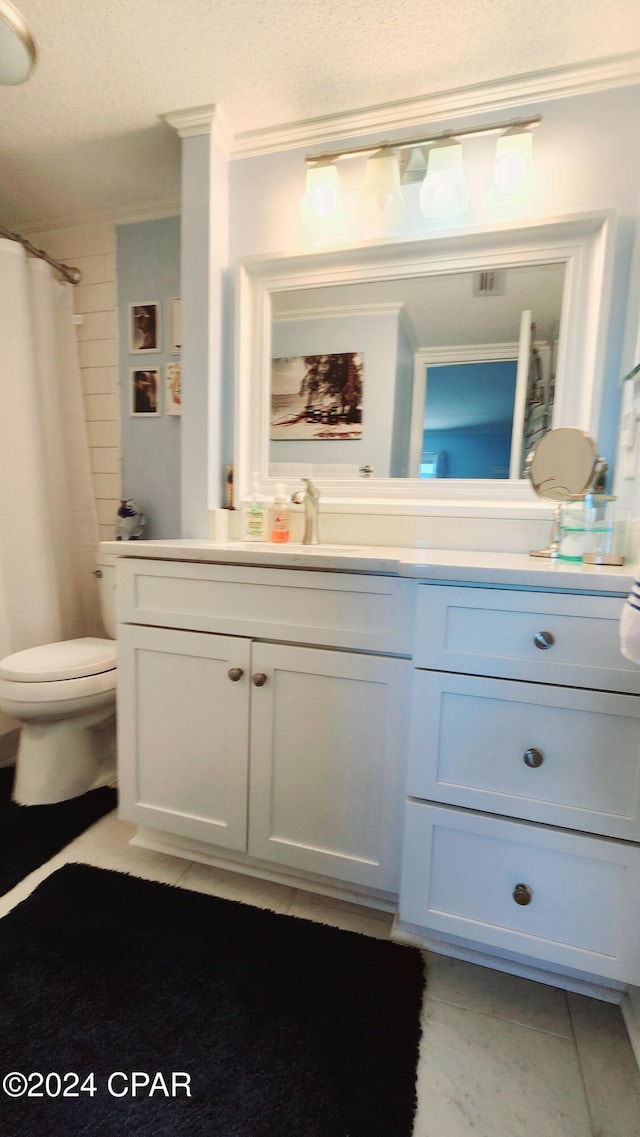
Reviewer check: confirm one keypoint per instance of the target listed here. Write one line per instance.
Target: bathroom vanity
(451, 736)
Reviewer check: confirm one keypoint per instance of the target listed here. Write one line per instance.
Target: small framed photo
(145, 393)
(144, 327)
(175, 334)
(173, 389)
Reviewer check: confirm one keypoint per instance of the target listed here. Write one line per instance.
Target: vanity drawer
(461, 870)
(550, 754)
(373, 613)
(485, 631)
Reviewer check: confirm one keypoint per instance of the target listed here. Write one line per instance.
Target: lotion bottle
(255, 518)
(279, 527)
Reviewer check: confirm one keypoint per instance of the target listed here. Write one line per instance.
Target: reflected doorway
(469, 419)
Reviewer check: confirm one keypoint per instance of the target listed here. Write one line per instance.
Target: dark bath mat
(32, 834)
(282, 1027)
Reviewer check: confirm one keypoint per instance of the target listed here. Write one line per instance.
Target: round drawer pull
(544, 640)
(235, 673)
(259, 679)
(533, 757)
(522, 894)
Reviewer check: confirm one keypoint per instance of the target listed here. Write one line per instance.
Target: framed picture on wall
(144, 326)
(173, 389)
(175, 334)
(144, 400)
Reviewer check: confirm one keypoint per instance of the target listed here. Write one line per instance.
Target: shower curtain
(48, 522)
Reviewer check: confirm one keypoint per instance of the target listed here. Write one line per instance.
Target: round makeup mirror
(17, 47)
(563, 465)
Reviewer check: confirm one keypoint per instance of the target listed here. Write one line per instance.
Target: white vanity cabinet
(522, 824)
(263, 712)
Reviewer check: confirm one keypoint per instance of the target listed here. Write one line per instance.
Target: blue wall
(148, 269)
(472, 453)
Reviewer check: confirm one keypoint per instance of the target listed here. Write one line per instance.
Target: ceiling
(84, 136)
(444, 311)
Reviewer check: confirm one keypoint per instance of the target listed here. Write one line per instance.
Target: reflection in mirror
(448, 375)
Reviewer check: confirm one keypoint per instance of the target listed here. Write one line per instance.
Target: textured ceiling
(83, 135)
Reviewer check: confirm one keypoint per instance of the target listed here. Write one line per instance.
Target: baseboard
(609, 991)
(207, 855)
(630, 1007)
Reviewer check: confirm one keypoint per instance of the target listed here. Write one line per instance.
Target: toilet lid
(70, 659)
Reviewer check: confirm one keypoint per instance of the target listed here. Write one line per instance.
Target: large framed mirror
(424, 370)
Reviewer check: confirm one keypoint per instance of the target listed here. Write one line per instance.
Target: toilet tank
(106, 573)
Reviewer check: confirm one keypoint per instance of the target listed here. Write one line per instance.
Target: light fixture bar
(411, 143)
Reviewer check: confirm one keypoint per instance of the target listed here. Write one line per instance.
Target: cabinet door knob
(259, 679)
(533, 757)
(544, 640)
(522, 894)
(235, 673)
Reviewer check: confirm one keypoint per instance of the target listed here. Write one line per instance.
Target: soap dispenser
(279, 527)
(255, 518)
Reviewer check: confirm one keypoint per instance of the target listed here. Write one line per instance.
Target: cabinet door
(327, 762)
(183, 733)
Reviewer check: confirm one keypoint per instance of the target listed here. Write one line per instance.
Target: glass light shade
(444, 191)
(17, 48)
(513, 163)
(321, 206)
(382, 186)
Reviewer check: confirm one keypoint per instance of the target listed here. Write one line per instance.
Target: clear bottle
(279, 526)
(255, 515)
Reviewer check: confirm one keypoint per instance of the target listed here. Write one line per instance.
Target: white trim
(208, 119)
(389, 309)
(630, 1007)
(584, 243)
(151, 211)
(609, 991)
(467, 353)
(556, 82)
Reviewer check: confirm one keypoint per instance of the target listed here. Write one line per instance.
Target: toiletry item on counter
(255, 517)
(279, 526)
(130, 522)
(587, 530)
(228, 488)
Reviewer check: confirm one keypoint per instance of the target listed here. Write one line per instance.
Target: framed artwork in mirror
(317, 397)
(144, 326)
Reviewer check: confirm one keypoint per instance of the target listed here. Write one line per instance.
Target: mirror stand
(553, 548)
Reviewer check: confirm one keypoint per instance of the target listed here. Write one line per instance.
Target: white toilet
(64, 696)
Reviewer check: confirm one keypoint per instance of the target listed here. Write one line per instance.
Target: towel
(630, 625)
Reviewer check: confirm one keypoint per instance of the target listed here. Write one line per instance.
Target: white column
(203, 262)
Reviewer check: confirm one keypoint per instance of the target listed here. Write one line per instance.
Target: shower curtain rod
(72, 275)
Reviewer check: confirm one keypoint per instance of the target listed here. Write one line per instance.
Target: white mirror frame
(584, 243)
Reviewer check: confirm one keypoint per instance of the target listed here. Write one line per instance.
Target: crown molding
(146, 211)
(202, 120)
(535, 86)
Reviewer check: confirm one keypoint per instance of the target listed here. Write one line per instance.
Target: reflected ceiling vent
(489, 282)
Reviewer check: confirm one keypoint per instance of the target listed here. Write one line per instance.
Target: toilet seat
(60, 662)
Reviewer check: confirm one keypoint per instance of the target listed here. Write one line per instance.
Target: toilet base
(62, 760)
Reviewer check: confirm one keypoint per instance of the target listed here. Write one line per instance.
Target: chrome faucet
(310, 498)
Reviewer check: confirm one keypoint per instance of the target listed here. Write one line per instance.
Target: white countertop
(425, 564)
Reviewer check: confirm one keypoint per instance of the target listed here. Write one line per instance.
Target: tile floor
(500, 1056)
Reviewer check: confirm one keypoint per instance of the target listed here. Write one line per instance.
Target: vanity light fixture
(17, 46)
(435, 160)
(444, 191)
(513, 163)
(321, 206)
(382, 184)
